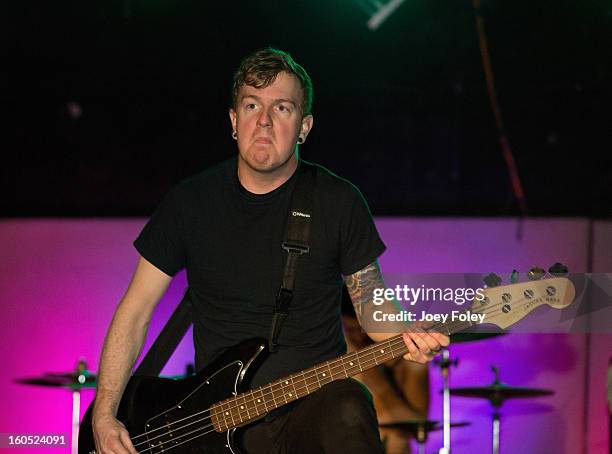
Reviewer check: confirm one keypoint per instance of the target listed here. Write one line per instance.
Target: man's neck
(263, 182)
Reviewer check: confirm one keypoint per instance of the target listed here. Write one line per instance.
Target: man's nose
(264, 119)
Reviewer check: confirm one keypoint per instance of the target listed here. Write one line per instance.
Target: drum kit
(496, 393)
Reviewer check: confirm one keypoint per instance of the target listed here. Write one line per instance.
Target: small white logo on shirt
(298, 213)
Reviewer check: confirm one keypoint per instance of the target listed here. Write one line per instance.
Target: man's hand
(111, 436)
(423, 346)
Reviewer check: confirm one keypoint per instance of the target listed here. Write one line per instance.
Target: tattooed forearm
(361, 286)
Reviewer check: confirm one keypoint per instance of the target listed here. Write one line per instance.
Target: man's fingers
(422, 341)
(127, 443)
(423, 346)
(443, 339)
(112, 437)
(412, 341)
(433, 342)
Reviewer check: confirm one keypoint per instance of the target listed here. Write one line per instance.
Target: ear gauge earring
(234, 135)
(300, 140)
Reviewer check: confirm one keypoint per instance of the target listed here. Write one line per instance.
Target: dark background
(403, 111)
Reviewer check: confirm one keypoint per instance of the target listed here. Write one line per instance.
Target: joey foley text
(413, 295)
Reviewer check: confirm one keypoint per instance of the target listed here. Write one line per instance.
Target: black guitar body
(165, 421)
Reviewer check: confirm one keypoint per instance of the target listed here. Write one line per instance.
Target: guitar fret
(217, 411)
(274, 396)
(230, 413)
(244, 407)
(234, 409)
(224, 417)
(262, 399)
(282, 390)
(352, 365)
(314, 377)
(331, 375)
(251, 403)
(293, 385)
(305, 382)
(344, 368)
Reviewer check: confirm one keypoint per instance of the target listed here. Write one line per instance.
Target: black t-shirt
(229, 241)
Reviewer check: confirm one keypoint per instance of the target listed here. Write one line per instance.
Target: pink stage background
(61, 279)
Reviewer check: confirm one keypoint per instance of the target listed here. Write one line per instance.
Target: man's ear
(232, 115)
(307, 123)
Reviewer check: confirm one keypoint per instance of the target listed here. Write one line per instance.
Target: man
(226, 227)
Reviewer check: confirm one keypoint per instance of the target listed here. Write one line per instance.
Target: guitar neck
(245, 407)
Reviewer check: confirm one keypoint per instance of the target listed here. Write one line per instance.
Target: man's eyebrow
(276, 101)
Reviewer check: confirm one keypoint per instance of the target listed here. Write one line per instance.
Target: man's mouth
(263, 140)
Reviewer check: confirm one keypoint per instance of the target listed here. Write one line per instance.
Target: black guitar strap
(297, 233)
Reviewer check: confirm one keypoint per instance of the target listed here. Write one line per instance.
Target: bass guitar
(201, 413)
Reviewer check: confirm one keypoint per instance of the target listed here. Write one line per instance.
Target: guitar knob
(535, 273)
(492, 280)
(558, 270)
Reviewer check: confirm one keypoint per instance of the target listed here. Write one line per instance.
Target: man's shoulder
(331, 184)
(330, 178)
(210, 177)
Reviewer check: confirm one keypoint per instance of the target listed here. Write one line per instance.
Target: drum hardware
(76, 380)
(497, 393)
(419, 428)
(444, 362)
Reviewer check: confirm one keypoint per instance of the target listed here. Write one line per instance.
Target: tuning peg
(514, 277)
(535, 273)
(558, 270)
(492, 280)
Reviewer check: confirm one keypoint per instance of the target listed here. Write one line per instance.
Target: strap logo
(299, 213)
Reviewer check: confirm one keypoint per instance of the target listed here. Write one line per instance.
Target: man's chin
(266, 166)
(265, 163)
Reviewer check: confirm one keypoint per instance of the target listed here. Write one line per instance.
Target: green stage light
(379, 11)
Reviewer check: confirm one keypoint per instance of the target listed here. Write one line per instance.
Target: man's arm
(422, 346)
(122, 345)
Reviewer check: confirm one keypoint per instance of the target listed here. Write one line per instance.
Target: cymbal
(414, 425)
(68, 380)
(498, 392)
(419, 428)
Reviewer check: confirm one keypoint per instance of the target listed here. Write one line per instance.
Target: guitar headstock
(504, 305)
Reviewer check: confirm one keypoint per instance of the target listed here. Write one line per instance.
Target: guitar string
(393, 344)
(245, 396)
(450, 326)
(396, 343)
(270, 391)
(271, 386)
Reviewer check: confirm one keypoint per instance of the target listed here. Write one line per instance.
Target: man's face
(268, 122)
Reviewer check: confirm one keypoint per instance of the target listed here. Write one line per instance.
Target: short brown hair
(260, 69)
